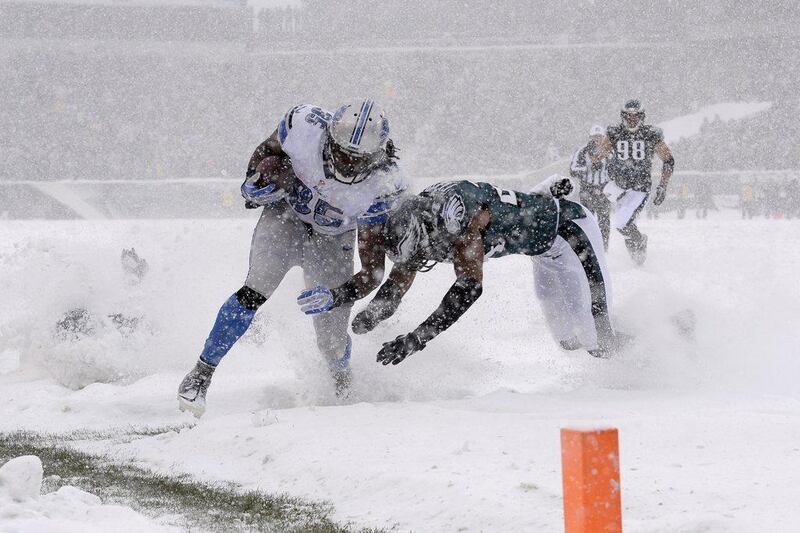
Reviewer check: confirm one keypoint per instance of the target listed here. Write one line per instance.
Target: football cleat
(638, 250)
(193, 388)
(342, 378)
(570, 344)
(613, 346)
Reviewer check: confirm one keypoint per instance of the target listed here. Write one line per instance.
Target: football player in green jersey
(465, 223)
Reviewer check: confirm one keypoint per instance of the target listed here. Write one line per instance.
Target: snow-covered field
(463, 436)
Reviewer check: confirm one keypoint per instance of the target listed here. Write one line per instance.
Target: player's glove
(400, 348)
(315, 301)
(257, 192)
(379, 309)
(364, 322)
(661, 193)
(375, 313)
(561, 188)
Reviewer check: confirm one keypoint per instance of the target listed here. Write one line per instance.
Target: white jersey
(329, 206)
(588, 171)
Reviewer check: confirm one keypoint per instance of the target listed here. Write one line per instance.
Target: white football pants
(280, 242)
(574, 287)
(627, 204)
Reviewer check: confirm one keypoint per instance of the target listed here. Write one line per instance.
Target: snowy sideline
(462, 436)
(67, 510)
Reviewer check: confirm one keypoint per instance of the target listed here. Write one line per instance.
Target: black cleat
(637, 249)
(612, 346)
(570, 344)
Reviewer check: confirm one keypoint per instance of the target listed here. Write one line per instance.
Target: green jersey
(520, 223)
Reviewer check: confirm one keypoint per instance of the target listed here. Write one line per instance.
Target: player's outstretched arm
(371, 252)
(468, 263)
(386, 301)
(668, 165)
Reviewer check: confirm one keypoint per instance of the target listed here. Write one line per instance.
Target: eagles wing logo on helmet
(406, 233)
(453, 213)
(409, 241)
(633, 106)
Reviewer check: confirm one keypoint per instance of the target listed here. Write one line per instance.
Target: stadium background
(140, 108)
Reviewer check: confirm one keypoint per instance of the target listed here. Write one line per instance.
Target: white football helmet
(357, 137)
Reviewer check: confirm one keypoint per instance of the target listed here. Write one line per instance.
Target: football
(276, 169)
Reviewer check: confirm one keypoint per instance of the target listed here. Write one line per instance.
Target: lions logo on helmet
(357, 137)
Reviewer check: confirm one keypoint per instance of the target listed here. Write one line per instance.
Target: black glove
(379, 309)
(400, 348)
(561, 188)
(661, 193)
(364, 322)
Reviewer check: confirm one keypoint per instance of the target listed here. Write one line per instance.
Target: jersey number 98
(626, 150)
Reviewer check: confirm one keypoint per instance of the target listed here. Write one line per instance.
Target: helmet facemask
(407, 240)
(632, 121)
(349, 167)
(632, 115)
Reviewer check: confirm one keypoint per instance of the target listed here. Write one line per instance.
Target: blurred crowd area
(779, 199)
(76, 115)
(109, 90)
(514, 22)
(753, 197)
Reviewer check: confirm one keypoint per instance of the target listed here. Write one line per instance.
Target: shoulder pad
(290, 119)
(286, 123)
(656, 133)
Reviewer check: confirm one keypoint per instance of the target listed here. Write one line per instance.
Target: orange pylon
(590, 472)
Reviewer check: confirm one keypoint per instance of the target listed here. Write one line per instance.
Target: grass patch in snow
(190, 503)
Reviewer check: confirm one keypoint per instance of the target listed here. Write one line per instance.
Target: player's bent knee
(249, 298)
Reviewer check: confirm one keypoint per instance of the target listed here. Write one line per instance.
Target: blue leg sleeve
(232, 321)
(344, 361)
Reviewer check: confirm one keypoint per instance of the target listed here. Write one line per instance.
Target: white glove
(261, 195)
(315, 301)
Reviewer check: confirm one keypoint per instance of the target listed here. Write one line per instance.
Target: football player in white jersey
(320, 178)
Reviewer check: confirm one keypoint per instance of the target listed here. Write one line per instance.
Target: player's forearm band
(668, 165)
(464, 292)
